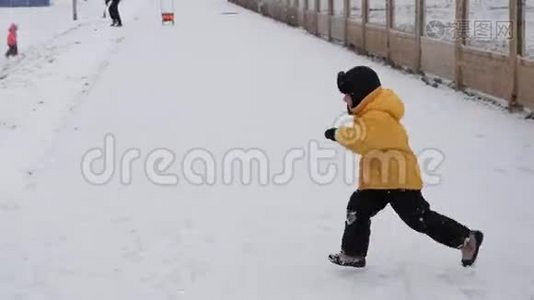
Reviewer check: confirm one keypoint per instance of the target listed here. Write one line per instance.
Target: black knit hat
(358, 82)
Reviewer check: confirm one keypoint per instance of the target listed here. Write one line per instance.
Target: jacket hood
(384, 100)
(13, 28)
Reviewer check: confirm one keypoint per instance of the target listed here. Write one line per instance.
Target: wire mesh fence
(487, 24)
(484, 45)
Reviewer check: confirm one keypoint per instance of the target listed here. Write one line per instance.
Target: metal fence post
(75, 10)
(390, 19)
(297, 11)
(316, 18)
(517, 48)
(346, 16)
(287, 12)
(365, 19)
(419, 32)
(330, 18)
(305, 17)
(460, 33)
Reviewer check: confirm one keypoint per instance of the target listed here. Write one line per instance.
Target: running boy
(389, 172)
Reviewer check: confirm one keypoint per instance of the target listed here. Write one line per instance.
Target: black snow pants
(411, 207)
(114, 12)
(12, 51)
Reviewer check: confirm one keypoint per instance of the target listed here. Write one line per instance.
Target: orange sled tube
(167, 17)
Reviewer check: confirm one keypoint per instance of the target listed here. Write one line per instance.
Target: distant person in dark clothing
(114, 13)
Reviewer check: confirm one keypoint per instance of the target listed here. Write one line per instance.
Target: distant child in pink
(12, 41)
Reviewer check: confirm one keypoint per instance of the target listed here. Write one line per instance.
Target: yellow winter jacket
(387, 161)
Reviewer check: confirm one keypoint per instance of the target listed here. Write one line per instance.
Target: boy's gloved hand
(330, 134)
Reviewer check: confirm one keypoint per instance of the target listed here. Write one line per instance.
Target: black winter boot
(342, 259)
(471, 247)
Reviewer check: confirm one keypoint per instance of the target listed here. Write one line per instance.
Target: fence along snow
(484, 45)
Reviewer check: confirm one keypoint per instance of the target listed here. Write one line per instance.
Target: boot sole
(358, 264)
(479, 236)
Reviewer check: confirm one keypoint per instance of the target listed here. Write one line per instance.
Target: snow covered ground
(217, 82)
(60, 62)
(38, 25)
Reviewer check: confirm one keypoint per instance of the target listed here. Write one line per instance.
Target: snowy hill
(220, 81)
